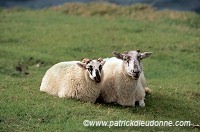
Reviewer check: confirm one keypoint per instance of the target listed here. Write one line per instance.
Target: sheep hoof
(141, 103)
(61, 94)
(147, 90)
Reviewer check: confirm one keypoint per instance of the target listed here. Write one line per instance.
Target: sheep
(74, 79)
(124, 81)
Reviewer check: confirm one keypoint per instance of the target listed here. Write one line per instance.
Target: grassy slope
(57, 34)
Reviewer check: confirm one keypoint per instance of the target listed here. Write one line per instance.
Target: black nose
(97, 78)
(137, 73)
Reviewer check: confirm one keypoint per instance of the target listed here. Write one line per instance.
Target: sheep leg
(61, 94)
(62, 91)
(141, 103)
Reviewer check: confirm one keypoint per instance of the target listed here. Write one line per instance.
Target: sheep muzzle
(97, 78)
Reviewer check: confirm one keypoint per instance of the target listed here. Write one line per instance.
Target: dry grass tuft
(137, 11)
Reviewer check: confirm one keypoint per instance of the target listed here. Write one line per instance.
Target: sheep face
(94, 68)
(132, 62)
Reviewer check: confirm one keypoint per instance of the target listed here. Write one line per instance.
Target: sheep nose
(97, 78)
(137, 73)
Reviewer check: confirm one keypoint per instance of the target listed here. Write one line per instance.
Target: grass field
(31, 41)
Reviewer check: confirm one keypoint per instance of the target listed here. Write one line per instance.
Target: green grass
(49, 36)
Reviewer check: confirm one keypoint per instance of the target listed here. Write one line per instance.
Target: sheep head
(132, 61)
(93, 67)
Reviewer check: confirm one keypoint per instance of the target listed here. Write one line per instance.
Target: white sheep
(74, 79)
(124, 81)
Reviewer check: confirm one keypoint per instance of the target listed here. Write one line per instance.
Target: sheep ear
(86, 60)
(146, 54)
(117, 55)
(125, 52)
(138, 50)
(100, 59)
(81, 65)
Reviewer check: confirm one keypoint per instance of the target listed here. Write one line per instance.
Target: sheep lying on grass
(74, 79)
(124, 81)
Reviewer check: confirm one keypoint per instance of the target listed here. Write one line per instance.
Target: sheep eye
(128, 63)
(139, 57)
(90, 68)
(125, 58)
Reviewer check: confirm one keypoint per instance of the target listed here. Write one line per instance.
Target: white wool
(67, 79)
(119, 87)
(112, 59)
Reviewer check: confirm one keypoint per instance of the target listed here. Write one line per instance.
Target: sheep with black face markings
(124, 81)
(74, 79)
